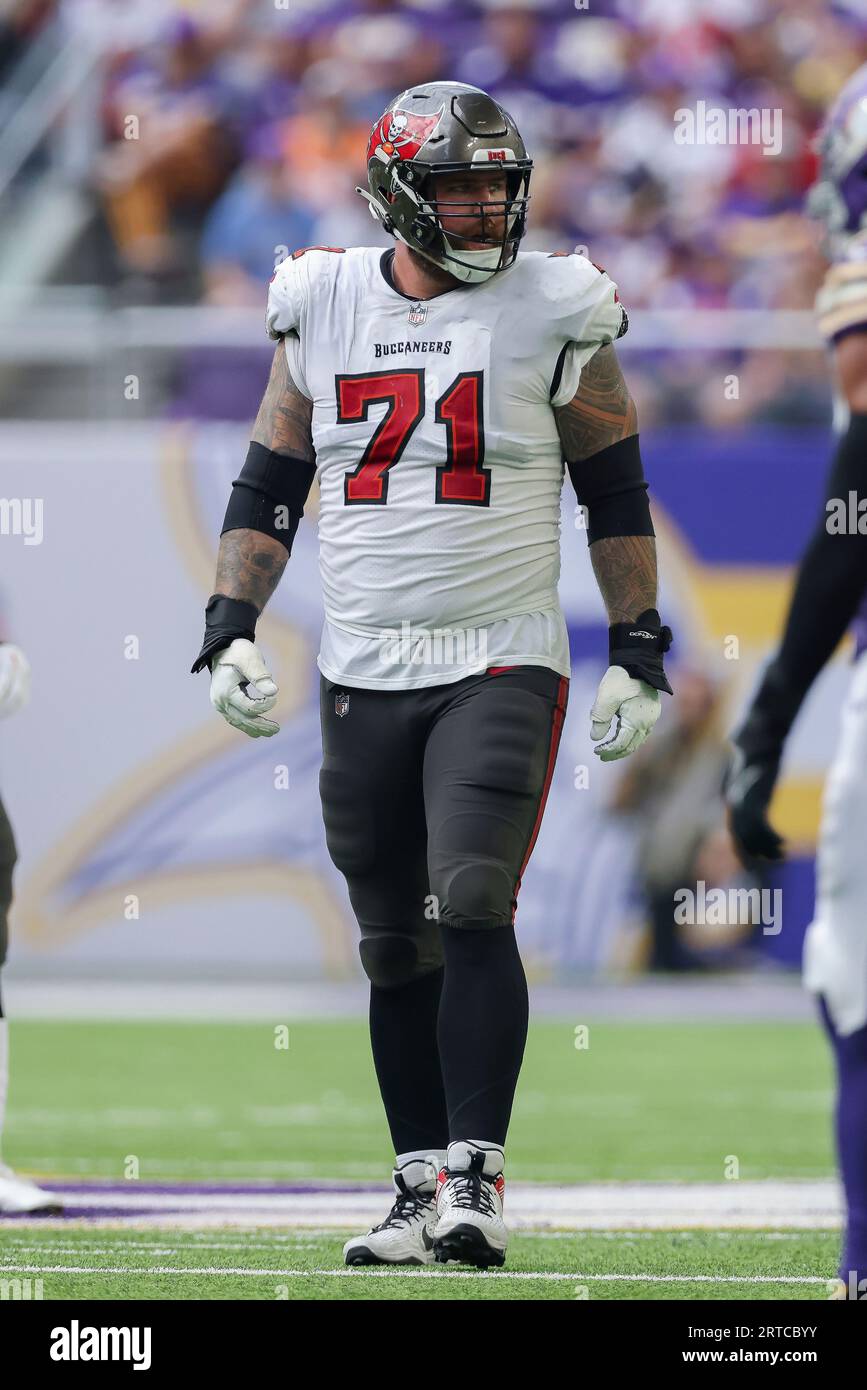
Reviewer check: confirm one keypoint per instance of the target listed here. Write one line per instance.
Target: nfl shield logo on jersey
(341, 704)
(417, 314)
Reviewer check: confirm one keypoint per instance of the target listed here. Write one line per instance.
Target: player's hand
(243, 690)
(749, 788)
(623, 715)
(14, 679)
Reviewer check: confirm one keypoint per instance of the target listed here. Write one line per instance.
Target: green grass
(220, 1101)
(290, 1266)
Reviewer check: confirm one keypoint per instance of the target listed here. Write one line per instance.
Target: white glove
(632, 705)
(14, 679)
(238, 668)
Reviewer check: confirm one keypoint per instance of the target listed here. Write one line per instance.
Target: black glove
(749, 788)
(639, 648)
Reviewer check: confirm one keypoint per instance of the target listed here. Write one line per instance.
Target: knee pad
(478, 894)
(391, 959)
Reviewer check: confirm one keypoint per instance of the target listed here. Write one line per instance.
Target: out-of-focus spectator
(257, 220)
(323, 144)
(20, 22)
(679, 223)
(173, 146)
(671, 790)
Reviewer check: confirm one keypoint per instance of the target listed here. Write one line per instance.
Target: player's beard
(437, 278)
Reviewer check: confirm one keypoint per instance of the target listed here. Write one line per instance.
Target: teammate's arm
(599, 433)
(831, 580)
(262, 517)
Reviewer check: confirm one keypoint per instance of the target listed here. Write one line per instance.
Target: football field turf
(169, 1139)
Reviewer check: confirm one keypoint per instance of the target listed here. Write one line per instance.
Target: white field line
(309, 1239)
(394, 1273)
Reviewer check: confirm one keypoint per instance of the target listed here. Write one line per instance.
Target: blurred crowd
(235, 130)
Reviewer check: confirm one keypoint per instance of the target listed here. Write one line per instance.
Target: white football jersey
(438, 458)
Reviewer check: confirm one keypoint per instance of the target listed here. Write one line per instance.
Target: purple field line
(88, 1214)
(187, 1189)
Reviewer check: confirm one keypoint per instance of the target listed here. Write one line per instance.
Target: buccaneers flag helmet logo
(402, 133)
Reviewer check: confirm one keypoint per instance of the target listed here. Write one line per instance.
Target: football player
(17, 1196)
(435, 389)
(830, 590)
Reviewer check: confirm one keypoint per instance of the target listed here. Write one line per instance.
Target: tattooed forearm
(625, 569)
(250, 563)
(249, 566)
(601, 412)
(284, 420)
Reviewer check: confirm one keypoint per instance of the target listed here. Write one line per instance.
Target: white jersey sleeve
(588, 315)
(287, 295)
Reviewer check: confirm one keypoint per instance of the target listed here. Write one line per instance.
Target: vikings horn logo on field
(403, 133)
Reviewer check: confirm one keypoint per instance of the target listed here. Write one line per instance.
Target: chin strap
(376, 211)
(474, 272)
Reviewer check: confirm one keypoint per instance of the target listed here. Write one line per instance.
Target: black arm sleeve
(269, 494)
(831, 581)
(612, 486)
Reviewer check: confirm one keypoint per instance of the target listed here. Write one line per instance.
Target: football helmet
(448, 128)
(839, 196)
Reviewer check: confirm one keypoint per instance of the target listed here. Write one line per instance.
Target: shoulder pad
(584, 298)
(287, 294)
(290, 288)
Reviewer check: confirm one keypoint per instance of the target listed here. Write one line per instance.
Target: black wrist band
(225, 619)
(639, 648)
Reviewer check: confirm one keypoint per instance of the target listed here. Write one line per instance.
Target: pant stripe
(556, 731)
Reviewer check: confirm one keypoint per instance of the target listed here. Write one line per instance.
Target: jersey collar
(386, 262)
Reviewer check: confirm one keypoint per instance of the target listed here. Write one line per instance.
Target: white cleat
(19, 1197)
(405, 1237)
(469, 1203)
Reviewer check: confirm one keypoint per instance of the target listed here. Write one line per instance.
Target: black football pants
(432, 801)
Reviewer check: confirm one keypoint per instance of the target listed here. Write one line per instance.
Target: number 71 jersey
(438, 457)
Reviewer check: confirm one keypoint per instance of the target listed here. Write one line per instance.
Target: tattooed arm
(601, 411)
(252, 557)
(600, 414)
(599, 433)
(250, 563)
